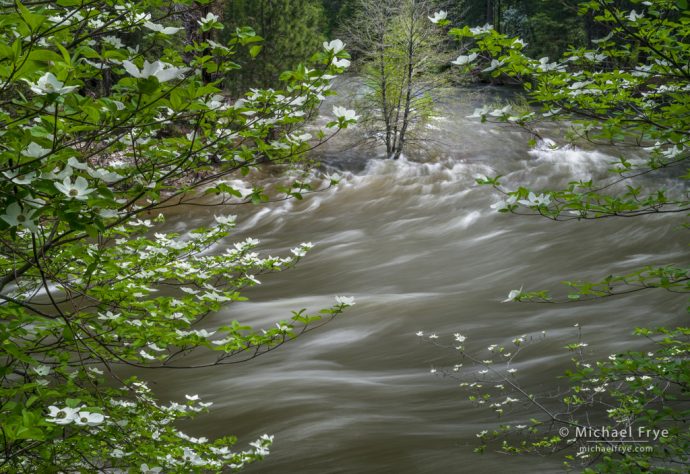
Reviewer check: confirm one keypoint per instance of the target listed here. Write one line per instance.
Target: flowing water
(420, 248)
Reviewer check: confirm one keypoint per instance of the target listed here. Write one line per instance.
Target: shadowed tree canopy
(292, 30)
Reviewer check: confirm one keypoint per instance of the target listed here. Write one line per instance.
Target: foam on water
(420, 248)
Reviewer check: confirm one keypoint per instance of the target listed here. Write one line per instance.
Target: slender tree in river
(398, 48)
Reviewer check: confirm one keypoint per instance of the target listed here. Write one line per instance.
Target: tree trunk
(410, 74)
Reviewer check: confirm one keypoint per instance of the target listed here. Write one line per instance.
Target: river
(417, 244)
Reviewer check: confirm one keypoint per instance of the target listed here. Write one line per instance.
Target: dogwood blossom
(77, 190)
(342, 63)
(545, 65)
(49, 84)
(634, 16)
(513, 295)
(519, 43)
(334, 46)
(146, 355)
(114, 41)
(61, 416)
(209, 19)
(18, 178)
(478, 30)
(42, 370)
(345, 300)
(104, 175)
(16, 216)
(345, 114)
(504, 204)
(85, 418)
(145, 469)
(438, 16)
(502, 111)
(535, 200)
(462, 60)
(166, 30)
(225, 220)
(479, 113)
(162, 71)
(34, 150)
(495, 63)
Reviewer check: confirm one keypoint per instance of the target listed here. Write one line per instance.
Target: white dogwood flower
(634, 16)
(504, 204)
(85, 418)
(166, 30)
(145, 469)
(49, 84)
(345, 300)
(225, 220)
(502, 111)
(113, 41)
(15, 216)
(342, 63)
(495, 63)
(479, 113)
(209, 21)
(519, 42)
(345, 114)
(462, 60)
(34, 150)
(18, 178)
(513, 295)
(108, 316)
(146, 355)
(438, 16)
(535, 200)
(104, 175)
(478, 30)
(162, 71)
(77, 190)
(42, 370)
(334, 46)
(61, 416)
(545, 65)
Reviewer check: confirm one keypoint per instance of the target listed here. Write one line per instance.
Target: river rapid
(416, 242)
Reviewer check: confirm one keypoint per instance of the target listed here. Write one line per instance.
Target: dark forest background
(294, 29)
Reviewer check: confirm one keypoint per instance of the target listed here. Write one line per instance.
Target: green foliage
(291, 30)
(635, 106)
(623, 414)
(549, 27)
(628, 91)
(108, 119)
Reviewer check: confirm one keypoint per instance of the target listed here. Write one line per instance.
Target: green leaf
(68, 334)
(148, 85)
(31, 19)
(45, 55)
(255, 50)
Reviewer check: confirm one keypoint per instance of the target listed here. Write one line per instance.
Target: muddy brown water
(416, 243)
